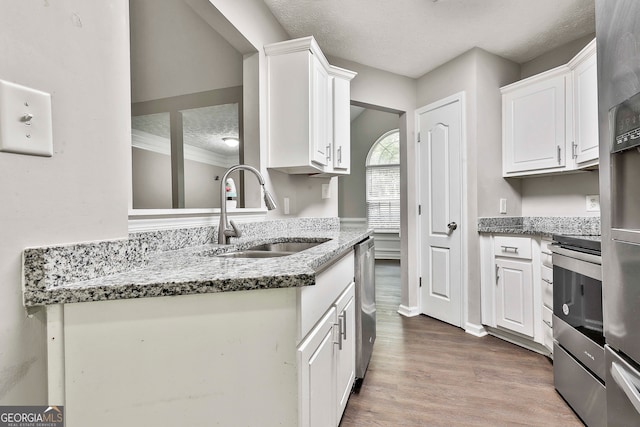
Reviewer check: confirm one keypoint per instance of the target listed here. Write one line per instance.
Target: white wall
(79, 52)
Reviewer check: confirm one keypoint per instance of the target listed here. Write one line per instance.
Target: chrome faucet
(228, 228)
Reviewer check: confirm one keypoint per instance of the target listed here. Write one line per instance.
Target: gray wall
(558, 56)
(175, 52)
(561, 195)
(365, 131)
(479, 74)
(79, 52)
(397, 94)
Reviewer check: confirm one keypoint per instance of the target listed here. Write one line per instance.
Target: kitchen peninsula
(183, 336)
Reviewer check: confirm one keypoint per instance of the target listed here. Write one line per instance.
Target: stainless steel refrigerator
(618, 50)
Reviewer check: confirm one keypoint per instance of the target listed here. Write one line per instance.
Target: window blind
(383, 196)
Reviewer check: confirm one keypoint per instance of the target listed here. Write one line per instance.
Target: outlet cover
(593, 203)
(503, 206)
(326, 193)
(25, 120)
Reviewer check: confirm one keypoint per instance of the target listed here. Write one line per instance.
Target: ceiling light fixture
(231, 141)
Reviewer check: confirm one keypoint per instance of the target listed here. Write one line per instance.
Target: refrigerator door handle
(627, 383)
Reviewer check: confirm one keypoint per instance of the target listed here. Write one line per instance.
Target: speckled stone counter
(541, 225)
(180, 262)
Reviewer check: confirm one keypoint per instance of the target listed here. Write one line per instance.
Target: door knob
(452, 226)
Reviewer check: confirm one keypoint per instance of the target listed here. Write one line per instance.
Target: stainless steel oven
(579, 357)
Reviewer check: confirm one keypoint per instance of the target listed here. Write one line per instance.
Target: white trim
(163, 219)
(475, 330)
(353, 222)
(55, 355)
(464, 252)
(387, 245)
(408, 311)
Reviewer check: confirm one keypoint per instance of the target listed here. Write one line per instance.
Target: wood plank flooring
(424, 372)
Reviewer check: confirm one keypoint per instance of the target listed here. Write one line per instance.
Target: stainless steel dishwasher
(365, 306)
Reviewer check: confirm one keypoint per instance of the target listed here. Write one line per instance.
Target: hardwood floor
(424, 372)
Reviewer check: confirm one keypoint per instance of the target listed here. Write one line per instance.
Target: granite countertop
(52, 278)
(545, 226)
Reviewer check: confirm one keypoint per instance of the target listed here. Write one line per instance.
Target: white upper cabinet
(550, 121)
(534, 125)
(308, 102)
(341, 119)
(585, 106)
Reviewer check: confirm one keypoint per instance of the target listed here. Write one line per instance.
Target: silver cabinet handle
(559, 155)
(547, 280)
(329, 152)
(548, 323)
(574, 151)
(497, 275)
(340, 155)
(627, 383)
(341, 330)
(343, 317)
(509, 248)
(452, 226)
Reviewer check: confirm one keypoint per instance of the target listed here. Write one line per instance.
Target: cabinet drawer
(545, 252)
(513, 247)
(547, 287)
(547, 328)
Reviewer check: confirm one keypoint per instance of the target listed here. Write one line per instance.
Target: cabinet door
(534, 127)
(317, 374)
(514, 296)
(341, 124)
(346, 352)
(585, 99)
(320, 113)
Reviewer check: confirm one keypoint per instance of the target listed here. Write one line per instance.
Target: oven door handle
(627, 383)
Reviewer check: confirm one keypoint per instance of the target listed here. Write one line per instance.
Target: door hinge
(420, 282)
(419, 209)
(418, 136)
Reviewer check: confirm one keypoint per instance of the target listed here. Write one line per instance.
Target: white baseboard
(520, 341)
(408, 311)
(475, 330)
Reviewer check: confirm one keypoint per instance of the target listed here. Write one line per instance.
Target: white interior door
(440, 127)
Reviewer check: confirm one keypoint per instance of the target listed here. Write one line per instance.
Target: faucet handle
(236, 232)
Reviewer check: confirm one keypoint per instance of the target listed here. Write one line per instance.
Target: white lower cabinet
(511, 295)
(514, 296)
(327, 365)
(267, 357)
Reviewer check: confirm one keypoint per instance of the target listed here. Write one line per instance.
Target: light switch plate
(25, 120)
(326, 193)
(503, 206)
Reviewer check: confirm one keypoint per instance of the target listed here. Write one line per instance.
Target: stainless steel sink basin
(272, 250)
(253, 254)
(291, 247)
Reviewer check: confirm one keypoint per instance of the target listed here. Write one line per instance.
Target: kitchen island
(184, 337)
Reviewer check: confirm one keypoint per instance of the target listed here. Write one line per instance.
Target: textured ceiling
(412, 37)
(202, 127)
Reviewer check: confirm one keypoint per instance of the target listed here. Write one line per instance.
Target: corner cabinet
(511, 297)
(550, 121)
(308, 110)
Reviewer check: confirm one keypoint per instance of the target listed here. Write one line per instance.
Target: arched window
(383, 182)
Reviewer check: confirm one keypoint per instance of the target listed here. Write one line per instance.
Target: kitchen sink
(272, 250)
(254, 254)
(290, 247)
